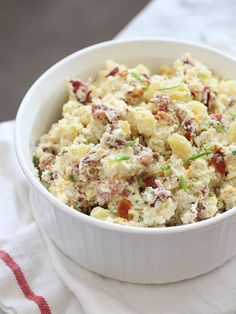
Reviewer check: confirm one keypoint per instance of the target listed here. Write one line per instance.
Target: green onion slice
(166, 167)
(139, 180)
(141, 218)
(234, 152)
(135, 76)
(35, 160)
(232, 113)
(71, 178)
(207, 145)
(194, 157)
(183, 183)
(129, 143)
(219, 127)
(170, 87)
(122, 157)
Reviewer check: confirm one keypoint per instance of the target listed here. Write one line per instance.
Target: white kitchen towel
(36, 277)
(204, 21)
(28, 282)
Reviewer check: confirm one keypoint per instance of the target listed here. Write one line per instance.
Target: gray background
(36, 34)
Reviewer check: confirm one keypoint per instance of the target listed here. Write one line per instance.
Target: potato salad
(143, 148)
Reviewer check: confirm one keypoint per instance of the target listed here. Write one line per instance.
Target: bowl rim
(38, 186)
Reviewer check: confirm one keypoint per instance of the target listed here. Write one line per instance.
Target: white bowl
(131, 254)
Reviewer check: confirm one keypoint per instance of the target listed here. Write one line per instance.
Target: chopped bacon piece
(123, 73)
(187, 136)
(208, 97)
(152, 195)
(163, 116)
(134, 96)
(124, 206)
(194, 93)
(178, 115)
(87, 167)
(131, 179)
(46, 162)
(81, 91)
(113, 188)
(155, 155)
(76, 85)
(118, 143)
(89, 159)
(201, 207)
(218, 161)
(162, 102)
(185, 60)
(49, 149)
(190, 127)
(113, 72)
(143, 154)
(218, 117)
(150, 182)
(106, 114)
(98, 112)
(232, 103)
(111, 138)
(162, 194)
(116, 187)
(187, 124)
(124, 193)
(145, 158)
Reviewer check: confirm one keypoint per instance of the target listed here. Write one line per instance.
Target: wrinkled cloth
(205, 21)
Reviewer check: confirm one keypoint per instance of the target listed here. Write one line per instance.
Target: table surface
(195, 20)
(29, 51)
(36, 34)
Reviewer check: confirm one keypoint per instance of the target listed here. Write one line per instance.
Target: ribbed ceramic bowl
(131, 254)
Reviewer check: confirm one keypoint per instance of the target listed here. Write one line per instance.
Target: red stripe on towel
(23, 284)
